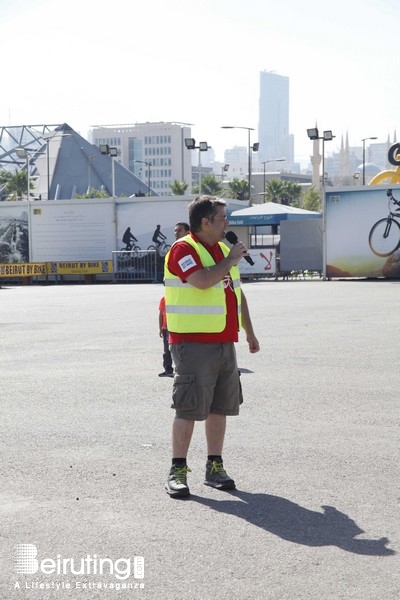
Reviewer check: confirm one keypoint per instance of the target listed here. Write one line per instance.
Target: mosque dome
(370, 169)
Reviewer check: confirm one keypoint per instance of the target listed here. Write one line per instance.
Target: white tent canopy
(270, 213)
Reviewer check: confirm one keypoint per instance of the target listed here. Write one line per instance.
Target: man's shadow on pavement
(296, 524)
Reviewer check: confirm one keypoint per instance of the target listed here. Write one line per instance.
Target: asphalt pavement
(85, 445)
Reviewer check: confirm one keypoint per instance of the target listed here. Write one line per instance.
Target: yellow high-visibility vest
(191, 310)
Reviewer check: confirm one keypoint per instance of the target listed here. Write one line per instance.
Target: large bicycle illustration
(384, 237)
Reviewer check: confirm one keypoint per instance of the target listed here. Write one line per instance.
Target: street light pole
(264, 162)
(190, 144)
(199, 168)
(203, 147)
(112, 152)
(327, 136)
(249, 150)
(148, 173)
(23, 153)
(28, 177)
(363, 160)
(113, 175)
(224, 170)
(48, 168)
(249, 160)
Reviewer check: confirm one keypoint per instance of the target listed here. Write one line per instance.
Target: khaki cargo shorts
(206, 380)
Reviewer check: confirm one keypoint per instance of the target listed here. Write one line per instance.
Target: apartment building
(154, 152)
(238, 161)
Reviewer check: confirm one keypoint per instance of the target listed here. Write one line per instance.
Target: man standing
(205, 309)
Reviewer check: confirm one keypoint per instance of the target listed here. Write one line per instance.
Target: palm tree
(239, 188)
(178, 188)
(291, 193)
(274, 190)
(210, 185)
(15, 184)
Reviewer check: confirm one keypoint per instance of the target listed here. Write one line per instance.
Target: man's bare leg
(182, 430)
(215, 433)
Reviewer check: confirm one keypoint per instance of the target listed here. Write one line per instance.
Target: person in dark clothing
(158, 237)
(127, 238)
(163, 332)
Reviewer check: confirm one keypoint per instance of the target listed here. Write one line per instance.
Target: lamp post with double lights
(327, 136)
(250, 149)
(264, 162)
(113, 152)
(144, 162)
(363, 160)
(190, 144)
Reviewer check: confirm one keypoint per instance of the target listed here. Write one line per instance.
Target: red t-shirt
(161, 308)
(184, 253)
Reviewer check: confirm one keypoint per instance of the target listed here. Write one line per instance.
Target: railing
(137, 265)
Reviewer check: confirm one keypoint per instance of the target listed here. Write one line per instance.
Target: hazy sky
(88, 62)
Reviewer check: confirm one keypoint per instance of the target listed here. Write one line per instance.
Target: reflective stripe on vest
(191, 310)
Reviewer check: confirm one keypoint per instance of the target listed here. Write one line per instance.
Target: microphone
(233, 239)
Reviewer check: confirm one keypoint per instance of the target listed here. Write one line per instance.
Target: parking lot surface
(85, 440)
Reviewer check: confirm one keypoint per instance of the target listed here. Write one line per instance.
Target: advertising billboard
(363, 232)
(14, 233)
(72, 231)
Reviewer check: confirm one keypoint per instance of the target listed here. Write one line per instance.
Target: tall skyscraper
(273, 120)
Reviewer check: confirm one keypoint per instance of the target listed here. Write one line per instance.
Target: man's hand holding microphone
(238, 249)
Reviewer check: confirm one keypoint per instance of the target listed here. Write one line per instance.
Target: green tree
(274, 191)
(291, 193)
(178, 188)
(312, 199)
(15, 184)
(210, 185)
(93, 193)
(239, 188)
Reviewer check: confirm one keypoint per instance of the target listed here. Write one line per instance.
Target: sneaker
(217, 477)
(176, 483)
(165, 374)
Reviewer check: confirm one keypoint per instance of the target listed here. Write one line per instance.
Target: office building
(154, 152)
(237, 159)
(273, 125)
